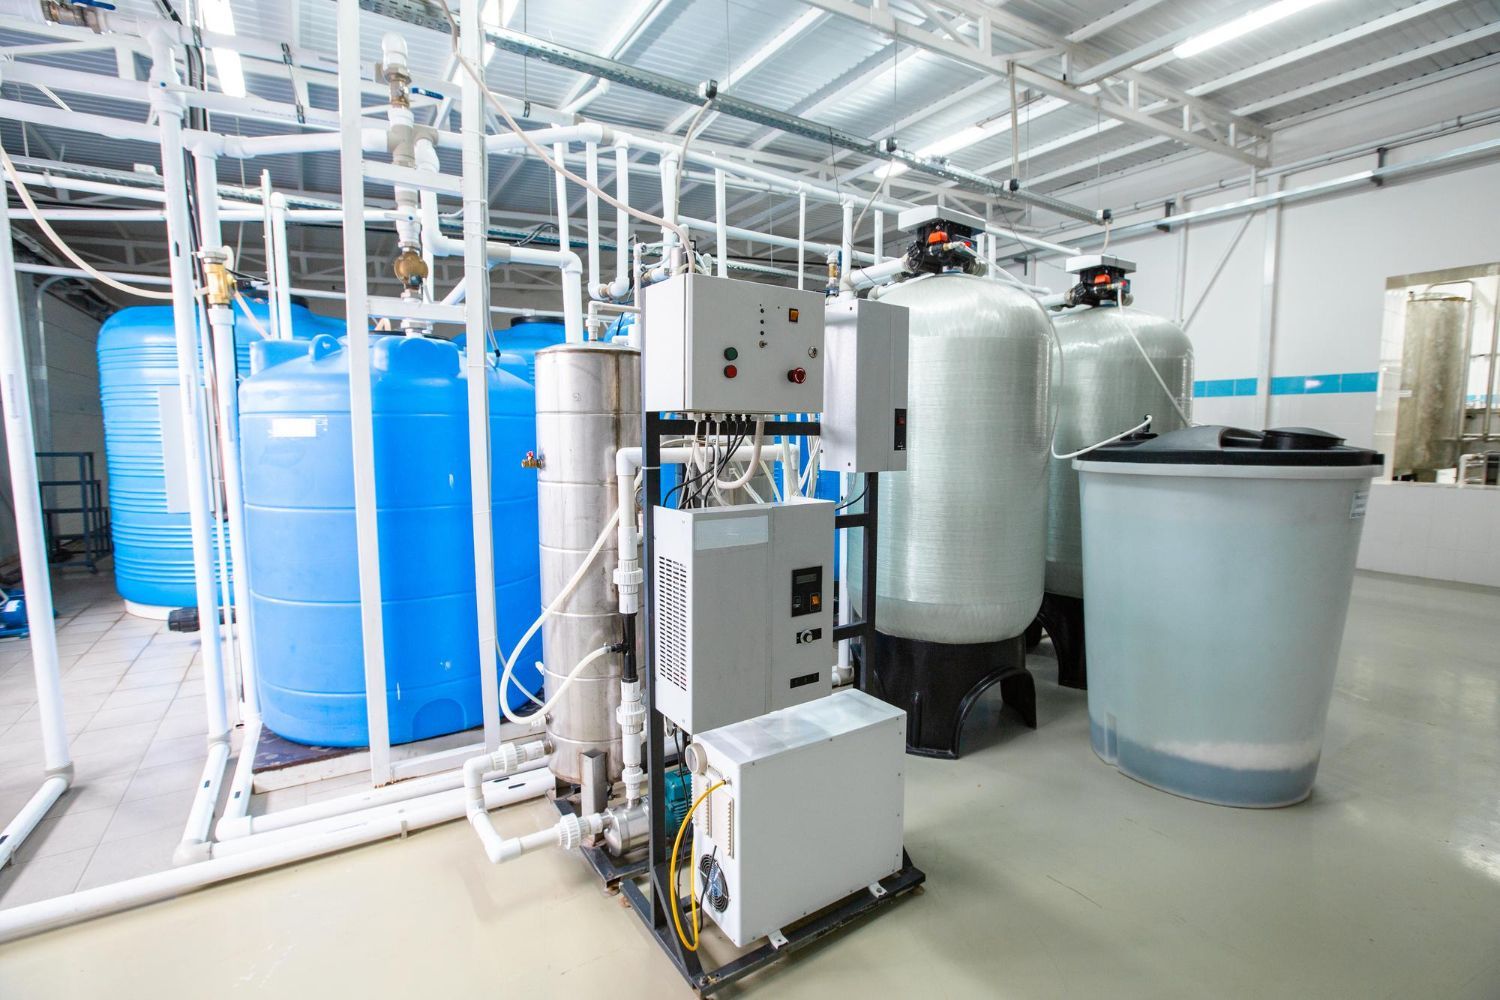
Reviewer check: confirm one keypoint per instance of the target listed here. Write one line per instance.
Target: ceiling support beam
(881, 20)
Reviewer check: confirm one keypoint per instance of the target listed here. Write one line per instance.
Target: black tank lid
(527, 320)
(1215, 444)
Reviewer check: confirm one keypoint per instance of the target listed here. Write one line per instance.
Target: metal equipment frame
(647, 902)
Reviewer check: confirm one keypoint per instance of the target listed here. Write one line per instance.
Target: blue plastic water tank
(138, 360)
(299, 511)
(529, 334)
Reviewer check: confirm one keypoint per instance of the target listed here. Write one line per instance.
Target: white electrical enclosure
(812, 811)
(718, 345)
(864, 395)
(743, 620)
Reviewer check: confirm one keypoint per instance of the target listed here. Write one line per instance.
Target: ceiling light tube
(1231, 30)
(219, 19)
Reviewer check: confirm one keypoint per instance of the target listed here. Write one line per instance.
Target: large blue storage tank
(529, 334)
(137, 347)
(299, 512)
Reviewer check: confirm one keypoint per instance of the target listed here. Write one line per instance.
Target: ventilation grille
(729, 836)
(671, 622)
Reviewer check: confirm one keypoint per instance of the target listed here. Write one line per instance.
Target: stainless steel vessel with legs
(587, 408)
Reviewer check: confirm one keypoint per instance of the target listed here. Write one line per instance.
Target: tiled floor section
(133, 699)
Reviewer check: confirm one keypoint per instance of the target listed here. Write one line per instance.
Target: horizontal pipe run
(34, 918)
(32, 813)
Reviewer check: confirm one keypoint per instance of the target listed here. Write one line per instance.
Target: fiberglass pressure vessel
(1106, 387)
(961, 529)
(138, 391)
(304, 575)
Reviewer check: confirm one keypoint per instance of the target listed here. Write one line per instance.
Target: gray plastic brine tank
(1217, 566)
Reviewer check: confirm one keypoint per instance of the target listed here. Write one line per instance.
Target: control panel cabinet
(720, 345)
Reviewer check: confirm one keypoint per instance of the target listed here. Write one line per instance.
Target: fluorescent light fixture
(496, 14)
(219, 19)
(1252, 21)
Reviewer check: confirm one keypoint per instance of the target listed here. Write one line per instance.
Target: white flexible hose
(67, 251)
(546, 706)
(245, 308)
(548, 611)
(1109, 440)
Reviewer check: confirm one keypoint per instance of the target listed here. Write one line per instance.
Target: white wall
(1322, 310)
(72, 377)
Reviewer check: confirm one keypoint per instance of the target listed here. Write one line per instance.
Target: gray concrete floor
(1050, 875)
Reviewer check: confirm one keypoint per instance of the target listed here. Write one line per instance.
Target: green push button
(730, 354)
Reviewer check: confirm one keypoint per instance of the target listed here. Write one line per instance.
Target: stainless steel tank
(1434, 370)
(961, 555)
(587, 407)
(1105, 386)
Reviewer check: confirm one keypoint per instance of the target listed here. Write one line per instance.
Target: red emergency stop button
(797, 375)
(730, 371)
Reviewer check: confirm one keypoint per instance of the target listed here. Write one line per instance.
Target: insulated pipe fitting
(631, 715)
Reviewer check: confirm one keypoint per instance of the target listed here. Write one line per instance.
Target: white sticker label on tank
(297, 427)
(1360, 503)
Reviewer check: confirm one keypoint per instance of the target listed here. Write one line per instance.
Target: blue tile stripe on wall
(1289, 385)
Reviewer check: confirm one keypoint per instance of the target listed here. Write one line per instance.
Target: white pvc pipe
(801, 238)
(474, 187)
(846, 250)
(668, 169)
(34, 918)
(226, 379)
(559, 153)
(414, 813)
(20, 444)
(184, 322)
(281, 287)
(621, 285)
(357, 313)
(194, 845)
(565, 261)
(268, 239)
(242, 784)
(591, 204)
(721, 217)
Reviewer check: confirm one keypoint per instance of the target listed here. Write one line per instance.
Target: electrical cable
(692, 878)
(525, 137)
(851, 502)
(1120, 304)
(687, 140)
(67, 251)
(749, 474)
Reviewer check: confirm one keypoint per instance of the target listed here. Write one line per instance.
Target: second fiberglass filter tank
(588, 407)
(1119, 365)
(961, 557)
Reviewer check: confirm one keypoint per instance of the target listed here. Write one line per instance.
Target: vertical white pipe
(721, 213)
(184, 322)
(591, 210)
(20, 447)
(356, 286)
(801, 238)
(622, 220)
(283, 285)
(559, 154)
(268, 230)
(669, 168)
(226, 376)
(223, 447)
(879, 237)
(475, 190)
(846, 251)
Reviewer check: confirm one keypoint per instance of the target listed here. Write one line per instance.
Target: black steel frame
(649, 905)
(94, 533)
